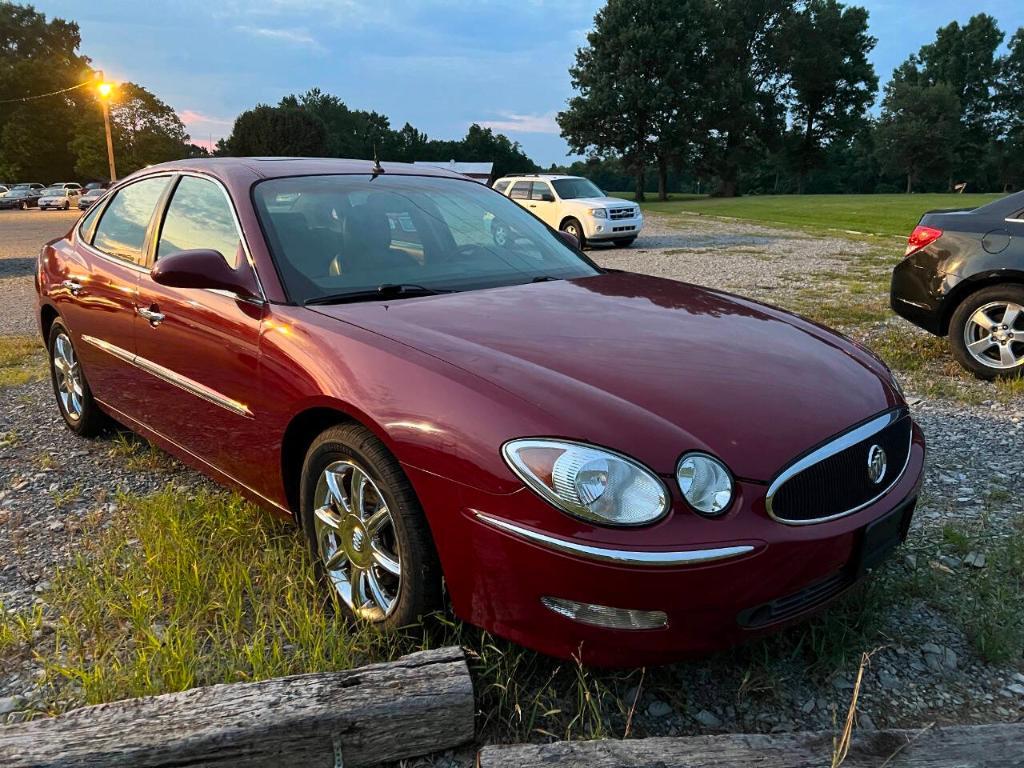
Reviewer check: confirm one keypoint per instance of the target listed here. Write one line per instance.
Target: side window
(122, 228)
(521, 191)
(501, 186)
(199, 216)
(540, 189)
(89, 222)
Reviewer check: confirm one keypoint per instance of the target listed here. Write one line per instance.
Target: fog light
(603, 616)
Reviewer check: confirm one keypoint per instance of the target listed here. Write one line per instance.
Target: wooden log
(967, 746)
(383, 712)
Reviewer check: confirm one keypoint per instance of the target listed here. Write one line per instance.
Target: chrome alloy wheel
(357, 541)
(994, 335)
(69, 377)
(572, 229)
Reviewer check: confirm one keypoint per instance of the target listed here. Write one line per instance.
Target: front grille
(799, 602)
(834, 479)
(621, 213)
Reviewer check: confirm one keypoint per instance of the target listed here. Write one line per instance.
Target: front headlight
(705, 482)
(590, 483)
(599, 213)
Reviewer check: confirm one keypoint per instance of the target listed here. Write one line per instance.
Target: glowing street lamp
(105, 89)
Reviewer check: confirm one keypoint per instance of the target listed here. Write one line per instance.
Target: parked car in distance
(582, 457)
(59, 197)
(97, 185)
(575, 205)
(90, 197)
(33, 185)
(4, 189)
(963, 276)
(22, 198)
(68, 185)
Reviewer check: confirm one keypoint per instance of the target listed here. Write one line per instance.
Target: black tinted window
(199, 216)
(521, 191)
(122, 229)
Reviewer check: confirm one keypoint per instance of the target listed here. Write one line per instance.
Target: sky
(438, 64)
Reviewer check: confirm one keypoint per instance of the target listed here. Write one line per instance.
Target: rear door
(98, 294)
(201, 347)
(520, 192)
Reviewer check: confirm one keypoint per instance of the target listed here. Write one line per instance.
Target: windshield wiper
(383, 291)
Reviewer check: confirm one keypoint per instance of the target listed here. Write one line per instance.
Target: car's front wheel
(24, 205)
(366, 529)
(574, 228)
(987, 332)
(74, 399)
(67, 205)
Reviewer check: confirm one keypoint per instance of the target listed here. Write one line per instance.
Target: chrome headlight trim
(578, 509)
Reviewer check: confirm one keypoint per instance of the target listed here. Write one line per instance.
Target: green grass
(886, 215)
(22, 360)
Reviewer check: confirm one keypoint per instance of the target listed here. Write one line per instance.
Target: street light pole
(104, 89)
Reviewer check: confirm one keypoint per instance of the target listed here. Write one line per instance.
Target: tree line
(318, 124)
(775, 96)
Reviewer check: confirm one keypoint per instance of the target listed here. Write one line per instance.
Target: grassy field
(886, 215)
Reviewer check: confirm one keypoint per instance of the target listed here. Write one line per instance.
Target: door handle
(533, 206)
(154, 317)
(72, 286)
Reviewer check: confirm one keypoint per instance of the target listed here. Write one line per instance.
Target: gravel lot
(50, 482)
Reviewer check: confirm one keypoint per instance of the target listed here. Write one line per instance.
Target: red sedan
(591, 460)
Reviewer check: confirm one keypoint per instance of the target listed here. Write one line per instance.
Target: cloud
(515, 123)
(191, 116)
(290, 35)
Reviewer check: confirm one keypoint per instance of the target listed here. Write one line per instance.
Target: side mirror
(569, 240)
(203, 268)
(547, 197)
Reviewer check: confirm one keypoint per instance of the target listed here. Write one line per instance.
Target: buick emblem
(877, 463)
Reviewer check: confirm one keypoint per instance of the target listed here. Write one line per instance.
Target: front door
(542, 203)
(201, 347)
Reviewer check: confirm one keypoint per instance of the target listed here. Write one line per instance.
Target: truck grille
(835, 479)
(621, 213)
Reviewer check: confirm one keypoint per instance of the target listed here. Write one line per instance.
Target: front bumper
(754, 576)
(612, 229)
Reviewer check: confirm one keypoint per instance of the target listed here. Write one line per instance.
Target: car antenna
(377, 168)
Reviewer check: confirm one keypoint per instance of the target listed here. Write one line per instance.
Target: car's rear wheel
(24, 205)
(74, 399)
(574, 228)
(67, 205)
(625, 242)
(987, 332)
(366, 530)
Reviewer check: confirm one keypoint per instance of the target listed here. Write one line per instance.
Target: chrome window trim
(616, 556)
(837, 445)
(1014, 220)
(165, 374)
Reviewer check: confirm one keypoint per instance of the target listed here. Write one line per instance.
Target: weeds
(22, 359)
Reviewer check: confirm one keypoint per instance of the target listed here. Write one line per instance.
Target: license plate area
(883, 536)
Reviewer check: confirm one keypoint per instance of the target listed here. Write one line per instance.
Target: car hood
(649, 366)
(594, 202)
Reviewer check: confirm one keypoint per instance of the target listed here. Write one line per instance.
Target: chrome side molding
(616, 556)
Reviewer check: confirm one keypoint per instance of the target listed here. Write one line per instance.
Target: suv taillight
(921, 237)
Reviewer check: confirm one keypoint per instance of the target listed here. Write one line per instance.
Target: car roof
(259, 168)
(546, 176)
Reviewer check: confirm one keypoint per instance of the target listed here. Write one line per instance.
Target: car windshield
(572, 189)
(334, 237)
(54, 191)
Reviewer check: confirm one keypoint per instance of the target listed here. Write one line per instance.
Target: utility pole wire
(44, 95)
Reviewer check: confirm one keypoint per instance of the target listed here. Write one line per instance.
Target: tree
(918, 130)
(745, 84)
(633, 83)
(38, 56)
(144, 129)
(964, 59)
(824, 49)
(267, 131)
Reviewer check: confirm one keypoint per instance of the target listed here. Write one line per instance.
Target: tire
(1003, 354)
(24, 205)
(74, 398)
(67, 206)
(402, 539)
(574, 228)
(624, 242)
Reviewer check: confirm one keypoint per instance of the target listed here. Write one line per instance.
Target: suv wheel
(987, 332)
(573, 227)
